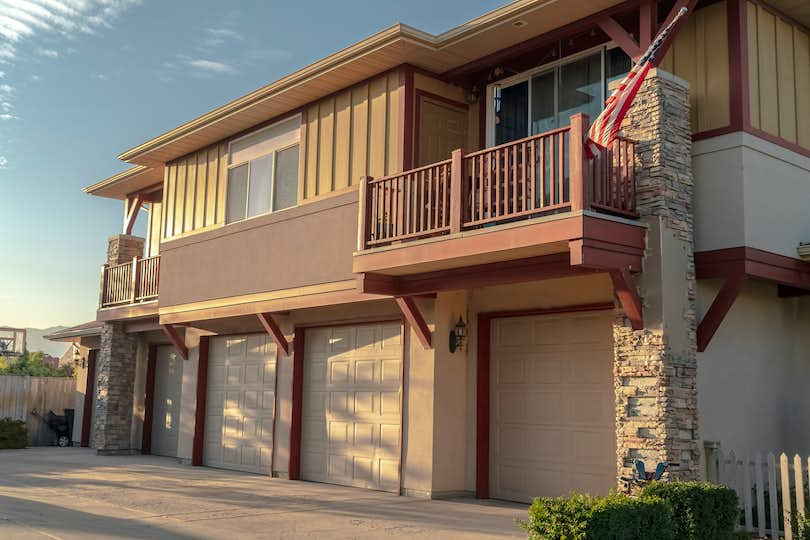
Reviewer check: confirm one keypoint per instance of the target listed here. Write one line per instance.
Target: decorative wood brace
(719, 308)
(272, 328)
(414, 317)
(628, 297)
(131, 207)
(177, 341)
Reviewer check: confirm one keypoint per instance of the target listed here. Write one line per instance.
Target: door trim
(199, 407)
(482, 381)
(149, 401)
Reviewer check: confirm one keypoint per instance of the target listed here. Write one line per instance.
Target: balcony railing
(130, 282)
(540, 175)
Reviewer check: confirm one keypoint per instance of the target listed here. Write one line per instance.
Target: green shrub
(702, 511)
(12, 434)
(615, 517)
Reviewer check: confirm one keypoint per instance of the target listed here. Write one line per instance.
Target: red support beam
(149, 401)
(297, 405)
(718, 310)
(414, 317)
(272, 328)
(647, 23)
(177, 341)
(617, 33)
(132, 206)
(197, 447)
(89, 390)
(628, 297)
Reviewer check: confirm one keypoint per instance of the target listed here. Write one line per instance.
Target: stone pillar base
(115, 368)
(122, 248)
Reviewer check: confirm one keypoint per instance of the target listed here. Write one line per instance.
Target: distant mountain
(36, 341)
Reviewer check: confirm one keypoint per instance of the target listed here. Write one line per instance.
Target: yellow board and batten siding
(352, 134)
(778, 76)
(344, 137)
(699, 54)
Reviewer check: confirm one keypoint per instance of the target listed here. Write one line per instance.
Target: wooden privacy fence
(772, 490)
(20, 396)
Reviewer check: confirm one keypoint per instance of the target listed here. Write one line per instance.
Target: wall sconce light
(458, 335)
(496, 98)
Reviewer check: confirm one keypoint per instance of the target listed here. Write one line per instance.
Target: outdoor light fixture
(458, 335)
(496, 98)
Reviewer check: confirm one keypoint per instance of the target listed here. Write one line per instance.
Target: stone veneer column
(122, 248)
(655, 369)
(115, 383)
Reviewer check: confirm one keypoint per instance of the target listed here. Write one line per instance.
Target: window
(263, 171)
(546, 98)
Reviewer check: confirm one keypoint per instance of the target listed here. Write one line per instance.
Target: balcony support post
(131, 207)
(134, 287)
(456, 190)
(103, 289)
(579, 186)
(364, 214)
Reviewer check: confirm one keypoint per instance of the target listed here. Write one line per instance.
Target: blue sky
(82, 80)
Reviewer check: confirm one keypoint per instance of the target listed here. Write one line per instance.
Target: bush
(12, 434)
(615, 517)
(701, 510)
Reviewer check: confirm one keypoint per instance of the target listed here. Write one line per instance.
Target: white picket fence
(771, 490)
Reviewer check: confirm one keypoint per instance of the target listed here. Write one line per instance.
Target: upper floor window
(263, 171)
(545, 98)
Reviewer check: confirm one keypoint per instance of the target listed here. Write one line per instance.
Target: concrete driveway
(67, 493)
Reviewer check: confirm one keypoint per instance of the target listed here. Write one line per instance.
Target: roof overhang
(132, 180)
(88, 329)
(400, 44)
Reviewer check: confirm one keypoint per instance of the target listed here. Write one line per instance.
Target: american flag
(607, 125)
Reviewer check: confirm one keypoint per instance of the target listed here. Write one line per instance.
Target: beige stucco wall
(752, 379)
(750, 192)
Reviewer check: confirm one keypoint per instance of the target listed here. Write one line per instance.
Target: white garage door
(241, 403)
(352, 405)
(552, 406)
(166, 406)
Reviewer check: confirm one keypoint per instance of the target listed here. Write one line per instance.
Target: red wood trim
(177, 341)
(647, 23)
(577, 308)
(456, 197)
(482, 384)
(623, 39)
(738, 63)
(198, 448)
(415, 319)
(690, 6)
(716, 132)
(779, 141)
(406, 159)
(755, 263)
(482, 118)
(294, 472)
(149, 401)
(89, 390)
(272, 328)
(718, 310)
(628, 297)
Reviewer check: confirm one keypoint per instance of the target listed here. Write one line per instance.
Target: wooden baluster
(499, 155)
(134, 284)
(102, 293)
(539, 184)
(363, 220)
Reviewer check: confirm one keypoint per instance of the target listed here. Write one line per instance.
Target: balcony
(129, 283)
(527, 198)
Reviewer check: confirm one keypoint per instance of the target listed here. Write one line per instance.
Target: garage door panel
(552, 406)
(241, 403)
(351, 424)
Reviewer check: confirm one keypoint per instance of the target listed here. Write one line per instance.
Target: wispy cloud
(29, 21)
(210, 66)
(101, 77)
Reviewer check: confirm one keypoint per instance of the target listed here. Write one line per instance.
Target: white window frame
(274, 152)
(528, 75)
